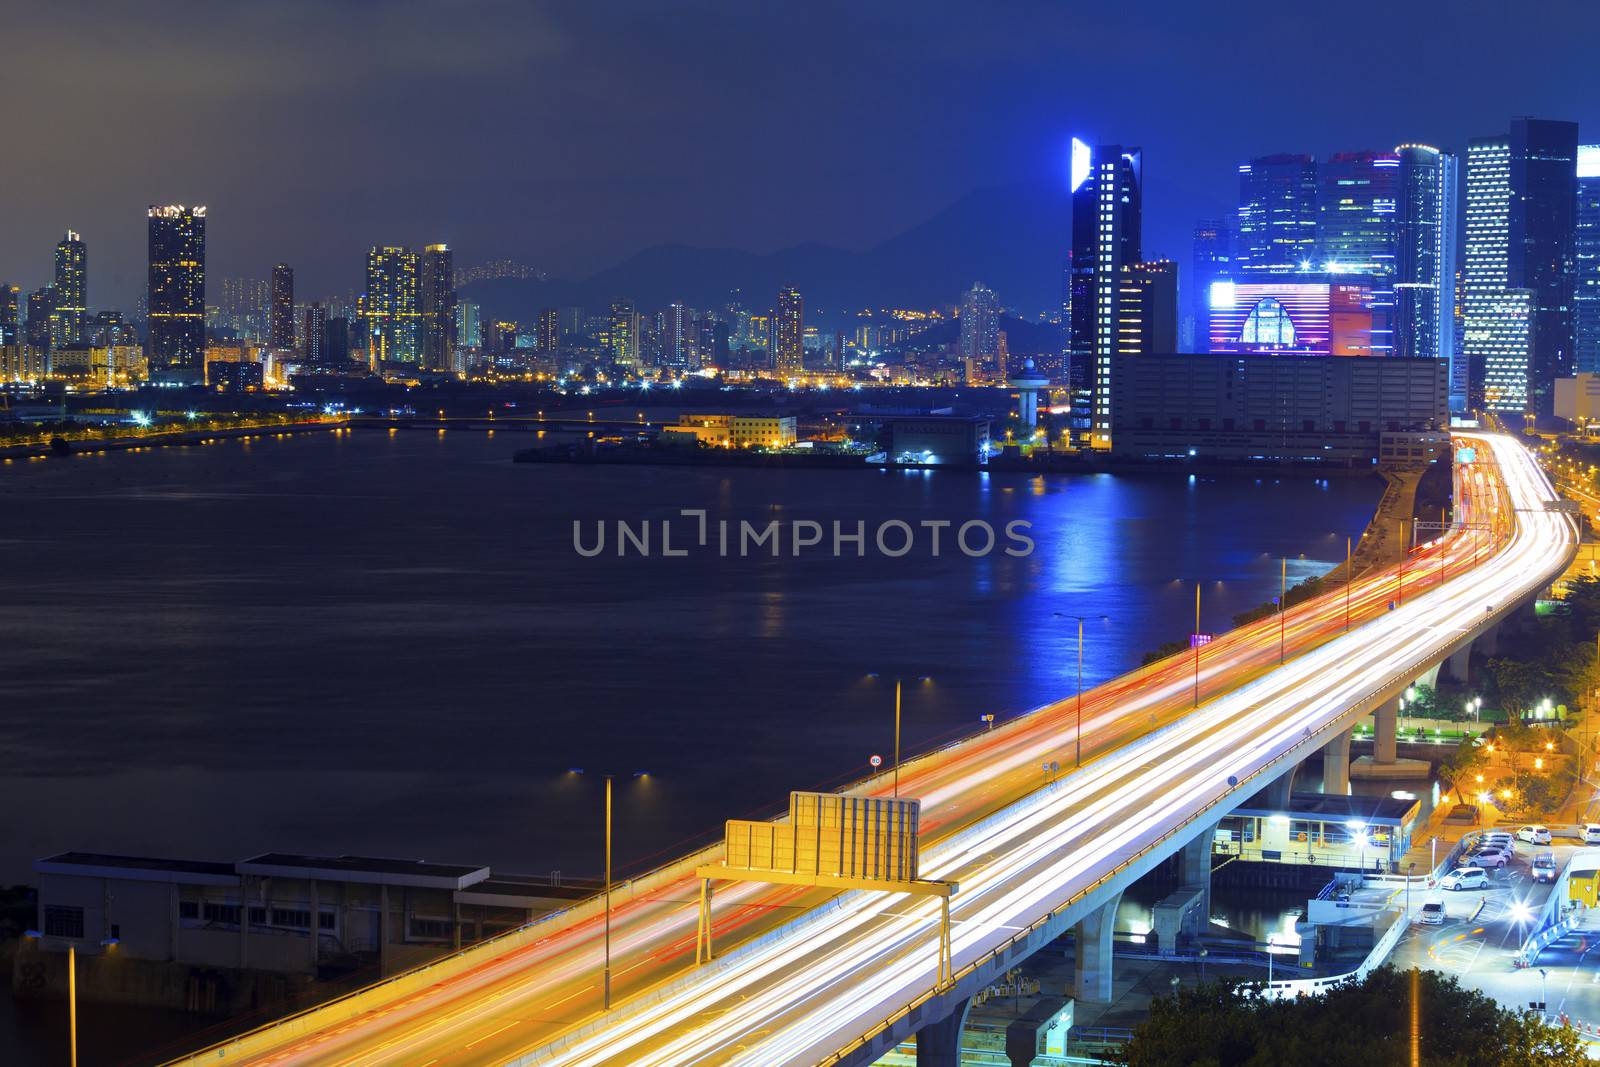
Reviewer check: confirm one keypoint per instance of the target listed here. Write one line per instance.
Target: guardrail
(1296, 987)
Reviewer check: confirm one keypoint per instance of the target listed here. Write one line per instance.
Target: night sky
(569, 135)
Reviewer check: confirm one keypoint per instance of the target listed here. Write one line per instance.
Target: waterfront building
(788, 332)
(390, 311)
(71, 309)
(1276, 407)
(1147, 308)
(1277, 229)
(280, 313)
(1107, 211)
(176, 295)
(980, 325)
(1586, 264)
(1357, 218)
(436, 300)
(1519, 278)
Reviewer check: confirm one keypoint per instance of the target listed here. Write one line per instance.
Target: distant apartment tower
(1519, 278)
(788, 333)
(71, 310)
(176, 296)
(1425, 257)
(1147, 308)
(390, 311)
(1586, 306)
(41, 313)
(469, 325)
(10, 332)
(437, 306)
(316, 333)
(1212, 261)
(1277, 228)
(623, 334)
(1107, 213)
(280, 309)
(549, 330)
(980, 325)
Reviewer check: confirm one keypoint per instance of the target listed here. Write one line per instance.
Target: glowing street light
(606, 980)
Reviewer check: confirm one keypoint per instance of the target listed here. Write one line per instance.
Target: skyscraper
(1425, 255)
(280, 312)
(1586, 308)
(1147, 309)
(1213, 261)
(9, 327)
(469, 325)
(1277, 214)
(624, 334)
(789, 333)
(1356, 214)
(72, 292)
(549, 330)
(390, 309)
(316, 325)
(437, 299)
(1519, 281)
(177, 294)
(980, 325)
(1107, 212)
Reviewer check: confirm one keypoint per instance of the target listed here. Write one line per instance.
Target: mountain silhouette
(1011, 238)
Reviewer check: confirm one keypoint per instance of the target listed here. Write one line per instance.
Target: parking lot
(1484, 928)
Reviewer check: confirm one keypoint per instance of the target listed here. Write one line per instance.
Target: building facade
(436, 300)
(1300, 313)
(1211, 261)
(980, 325)
(1107, 225)
(71, 292)
(280, 312)
(788, 333)
(1425, 257)
(1147, 308)
(176, 295)
(1277, 228)
(1586, 264)
(391, 311)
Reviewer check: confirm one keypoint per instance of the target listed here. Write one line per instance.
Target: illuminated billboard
(1298, 316)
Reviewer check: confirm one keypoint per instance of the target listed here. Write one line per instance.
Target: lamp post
(605, 983)
(1077, 739)
(896, 773)
(1196, 640)
(1349, 578)
(72, 1003)
(1283, 606)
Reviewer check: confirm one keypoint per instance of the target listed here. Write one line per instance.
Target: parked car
(1491, 856)
(1465, 878)
(1544, 867)
(1432, 913)
(1536, 835)
(1591, 833)
(1496, 837)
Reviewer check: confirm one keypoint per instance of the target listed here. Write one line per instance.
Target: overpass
(810, 976)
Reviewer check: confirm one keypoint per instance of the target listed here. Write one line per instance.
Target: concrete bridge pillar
(1488, 642)
(939, 1044)
(1336, 765)
(1194, 868)
(1278, 791)
(1455, 668)
(1384, 720)
(1429, 677)
(1091, 967)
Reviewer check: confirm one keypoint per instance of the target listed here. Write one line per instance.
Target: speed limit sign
(876, 761)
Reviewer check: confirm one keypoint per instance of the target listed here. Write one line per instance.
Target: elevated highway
(806, 976)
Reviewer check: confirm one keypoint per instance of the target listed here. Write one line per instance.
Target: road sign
(832, 835)
(876, 761)
(1197, 640)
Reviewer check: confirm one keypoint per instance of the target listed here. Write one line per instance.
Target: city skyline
(584, 211)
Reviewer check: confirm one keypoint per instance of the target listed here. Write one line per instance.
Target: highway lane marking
(491, 1033)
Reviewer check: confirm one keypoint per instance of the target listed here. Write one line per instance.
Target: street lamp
(1077, 740)
(606, 979)
(921, 678)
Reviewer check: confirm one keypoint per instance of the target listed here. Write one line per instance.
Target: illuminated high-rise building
(176, 298)
(1358, 194)
(980, 325)
(1107, 213)
(437, 305)
(72, 292)
(280, 312)
(316, 334)
(1425, 256)
(10, 331)
(549, 330)
(469, 325)
(1212, 261)
(1586, 306)
(623, 334)
(390, 311)
(788, 333)
(1277, 229)
(1147, 308)
(1519, 279)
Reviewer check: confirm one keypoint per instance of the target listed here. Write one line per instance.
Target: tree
(1222, 1024)
(1518, 684)
(1459, 769)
